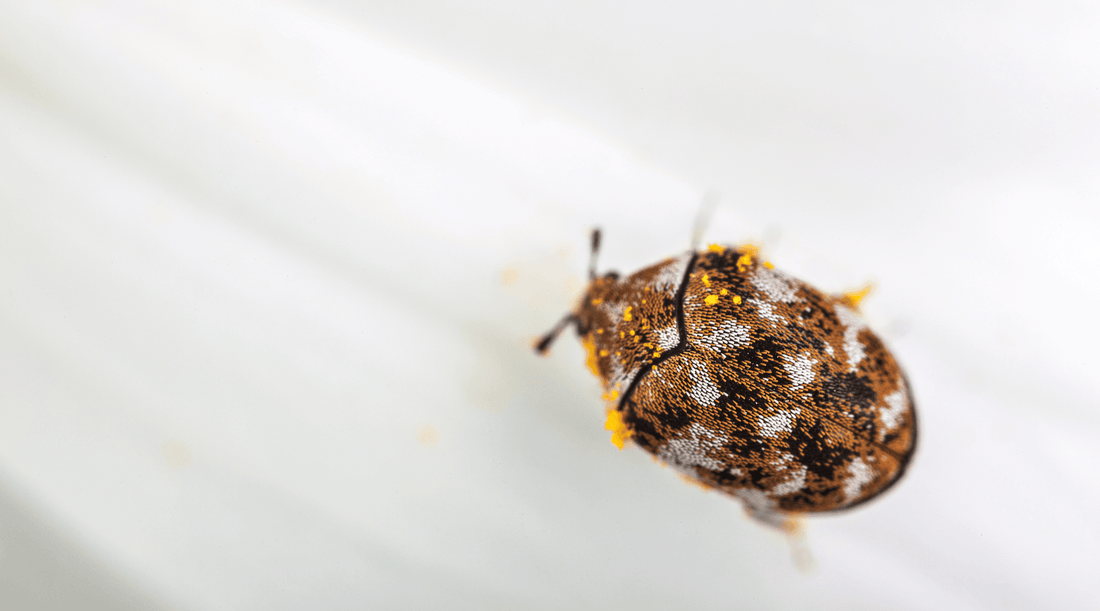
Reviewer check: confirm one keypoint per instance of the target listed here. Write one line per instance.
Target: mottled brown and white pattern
(750, 381)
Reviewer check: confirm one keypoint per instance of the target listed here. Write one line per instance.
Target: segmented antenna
(544, 343)
(595, 252)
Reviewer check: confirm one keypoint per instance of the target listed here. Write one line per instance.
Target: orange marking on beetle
(687, 479)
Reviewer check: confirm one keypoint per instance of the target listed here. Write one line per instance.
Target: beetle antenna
(544, 343)
(702, 218)
(595, 252)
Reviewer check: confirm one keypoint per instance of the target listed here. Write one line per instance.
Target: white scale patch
(860, 475)
(614, 311)
(619, 377)
(773, 284)
(781, 422)
(684, 454)
(726, 336)
(691, 304)
(756, 501)
(783, 459)
(793, 484)
(668, 338)
(853, 324)
(767, 311)
(800, 369)
(703, 390)
(892, 412)
(672, 273)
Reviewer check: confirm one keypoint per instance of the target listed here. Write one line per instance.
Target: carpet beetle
(747, 381)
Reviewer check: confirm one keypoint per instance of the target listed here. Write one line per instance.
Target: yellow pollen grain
(636, 338)
(852, 299)
(711, 299)
(604, 353)
(706, 280)
(723, 292)
(632, 331)
(600, 331)
(737, 300)
(619, 431)
(590, 355)
(597, 301)
(745, 260)
(627, 316)
(657, 354)
(768, 264)
(792, 526)
(621, 334)
(718, 248)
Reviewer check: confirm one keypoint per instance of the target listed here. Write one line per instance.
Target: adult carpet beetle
(747, 380)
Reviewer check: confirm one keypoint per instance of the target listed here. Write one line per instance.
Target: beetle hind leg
(793, 528)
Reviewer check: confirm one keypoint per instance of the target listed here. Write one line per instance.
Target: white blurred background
(270, 271)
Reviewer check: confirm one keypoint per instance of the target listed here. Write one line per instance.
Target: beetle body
(748, 381)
